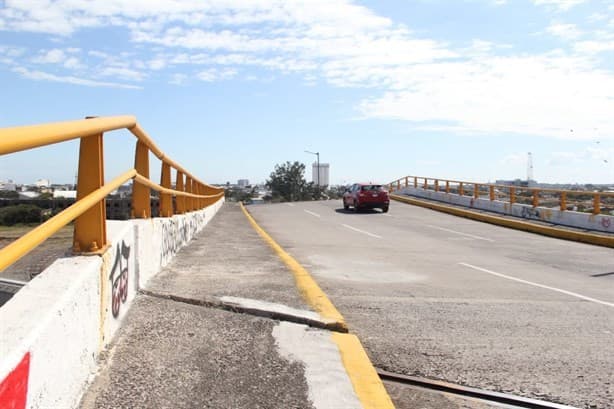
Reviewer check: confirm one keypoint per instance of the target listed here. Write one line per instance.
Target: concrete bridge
(299, 304)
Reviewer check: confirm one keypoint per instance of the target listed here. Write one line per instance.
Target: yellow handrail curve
(89, 211)
(21, 138)
(23, 245)
(144, 181)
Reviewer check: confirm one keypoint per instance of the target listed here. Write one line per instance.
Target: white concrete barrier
(53, 329)
(600, 222)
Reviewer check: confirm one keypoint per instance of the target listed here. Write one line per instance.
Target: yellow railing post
(180, 200)
(415, 182)
(460, 189)
(166, 200)
(201, 201)
(398, 185)
(596, 204)
(189, 202)
(563, 201)
(406, 181)
(141, 204)
(436, 185)
(426, 183)
(476, 191)
(90, 233)
(535, 197)
(512, 195)
(447, 186)
(491, 192)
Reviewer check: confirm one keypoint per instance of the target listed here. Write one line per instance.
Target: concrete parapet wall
(53, 329)
(602, 223)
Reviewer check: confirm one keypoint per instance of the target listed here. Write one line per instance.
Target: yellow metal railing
(89, 211)
(535, 196)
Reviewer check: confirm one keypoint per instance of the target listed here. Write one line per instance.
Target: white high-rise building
(324, 171)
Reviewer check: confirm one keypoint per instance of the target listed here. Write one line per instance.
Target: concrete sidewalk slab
(174, 355)
(222, 327)
(228, 259)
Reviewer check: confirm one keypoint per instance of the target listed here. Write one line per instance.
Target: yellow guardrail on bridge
(511, 193)
(89, 211)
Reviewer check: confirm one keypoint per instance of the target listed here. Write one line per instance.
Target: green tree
(18, 214)
(9, 194)
(288, 183)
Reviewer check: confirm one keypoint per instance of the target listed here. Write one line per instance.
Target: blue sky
(382, 89)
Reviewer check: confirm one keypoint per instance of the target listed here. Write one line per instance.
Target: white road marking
(362, 231)
(558, 290)
(290, 204)
(312, 213)
(458, 232)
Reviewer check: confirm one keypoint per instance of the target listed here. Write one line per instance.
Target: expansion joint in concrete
(254, 310)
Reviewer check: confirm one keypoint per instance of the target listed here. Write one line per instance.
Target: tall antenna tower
(529, 167)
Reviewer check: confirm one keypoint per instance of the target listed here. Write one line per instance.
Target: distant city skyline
(381, 89)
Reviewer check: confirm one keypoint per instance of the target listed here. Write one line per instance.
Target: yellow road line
(309, 289)
(367, 384)
(590, 238)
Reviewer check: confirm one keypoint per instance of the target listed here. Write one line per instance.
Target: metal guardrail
(511, 193)
(89, 211)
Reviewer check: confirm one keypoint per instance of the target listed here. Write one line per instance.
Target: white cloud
(593, 154)
(529, 95)
(468, 88)
(178, 79)
(50, 57)
(514, 159)
(562, 5)
(214, 74)
(594, 46)
(564, 31)
(43, 76)
(122, 73)
(60, 57)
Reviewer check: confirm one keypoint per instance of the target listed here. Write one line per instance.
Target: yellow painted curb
(590, 238)
(310, 290)
(367, 384)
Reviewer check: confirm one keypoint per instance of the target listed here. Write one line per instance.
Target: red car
(366, 196)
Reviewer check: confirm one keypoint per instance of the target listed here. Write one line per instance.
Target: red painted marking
(14, 388)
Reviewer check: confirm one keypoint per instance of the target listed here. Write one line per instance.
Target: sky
(459, 89)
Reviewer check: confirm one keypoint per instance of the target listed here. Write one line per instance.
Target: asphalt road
(447, 298)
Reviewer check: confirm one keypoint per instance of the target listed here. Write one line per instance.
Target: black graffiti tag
(119, 282)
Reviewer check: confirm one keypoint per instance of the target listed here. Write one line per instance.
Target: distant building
(65, 194)
(324, 173)
(517, 182)
(42, 183)
(28, 195)
(243, 182)
(10, 185)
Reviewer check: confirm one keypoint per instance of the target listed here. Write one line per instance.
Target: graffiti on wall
(119, 277)
(14, 388)
(178, 232)
(530, 213)
(606, 222)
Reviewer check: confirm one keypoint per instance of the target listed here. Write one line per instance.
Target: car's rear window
(376, 188)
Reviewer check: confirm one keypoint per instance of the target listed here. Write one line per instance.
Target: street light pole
(318, 169)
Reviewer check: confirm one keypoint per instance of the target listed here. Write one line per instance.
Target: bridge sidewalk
(222, 327)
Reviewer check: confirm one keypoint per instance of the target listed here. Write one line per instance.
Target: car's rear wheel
(355, 206)
(385, 209)
(345, 206)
